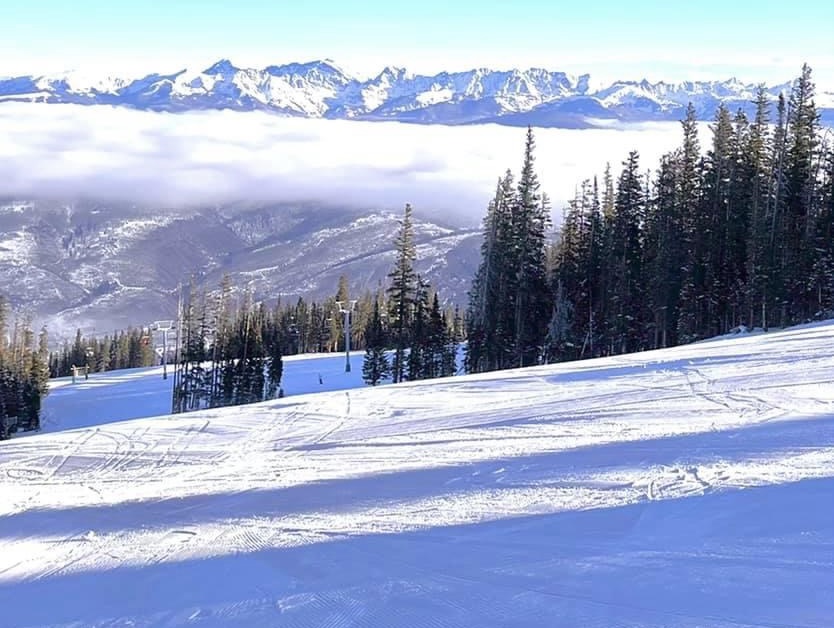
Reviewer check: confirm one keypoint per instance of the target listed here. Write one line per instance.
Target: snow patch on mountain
(17, 207)
(128, 230)
(16, 247)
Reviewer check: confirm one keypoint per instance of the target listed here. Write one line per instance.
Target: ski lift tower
(347, 313)
(164, 327)
(89, 352)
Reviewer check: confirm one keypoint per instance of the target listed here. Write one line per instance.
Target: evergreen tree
(825, 236)
(509, 299)
(693, 230)
(757, 164)
(274, 358)
(418, 351)
(800, 199)
(530, 222)
(439, 361)
(402, 292)
(489, 322)
(24, 374)
(663, 243)
(773, 308)
(567, 281)
(558, 341)
(375, 367)
(627, 294)
(723, 216)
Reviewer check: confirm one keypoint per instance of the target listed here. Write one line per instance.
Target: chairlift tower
(164, 327)
(89, 352)
(347, 312)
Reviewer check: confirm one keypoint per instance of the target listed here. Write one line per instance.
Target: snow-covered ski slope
(690, 487)
(136, 393)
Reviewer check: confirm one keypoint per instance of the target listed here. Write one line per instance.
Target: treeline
(231, 348)
(737, 235)
(24, 374)
(228, 354)
(306, 326)
(126, 349)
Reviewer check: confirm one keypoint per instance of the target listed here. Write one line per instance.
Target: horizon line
(359, 76)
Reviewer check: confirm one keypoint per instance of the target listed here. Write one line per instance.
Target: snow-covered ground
(137, 393)
(690, 487)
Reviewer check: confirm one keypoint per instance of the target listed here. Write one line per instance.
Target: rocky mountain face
(320, 89)
(103, 266)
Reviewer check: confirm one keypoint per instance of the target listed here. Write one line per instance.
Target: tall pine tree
(375, 367)
(402, 293)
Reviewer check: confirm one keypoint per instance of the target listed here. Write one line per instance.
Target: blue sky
(610, 39)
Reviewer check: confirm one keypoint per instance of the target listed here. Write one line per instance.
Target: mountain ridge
(323, 89)
(98, 265)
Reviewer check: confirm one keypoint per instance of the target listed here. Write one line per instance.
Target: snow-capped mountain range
(321, 89)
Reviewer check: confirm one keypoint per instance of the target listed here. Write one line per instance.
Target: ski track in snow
(683, 487)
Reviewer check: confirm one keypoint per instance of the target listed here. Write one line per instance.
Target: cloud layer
(214, 157)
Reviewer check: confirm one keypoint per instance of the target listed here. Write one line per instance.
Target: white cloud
(172, 160)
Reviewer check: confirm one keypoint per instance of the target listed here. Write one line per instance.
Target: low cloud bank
(215, 157)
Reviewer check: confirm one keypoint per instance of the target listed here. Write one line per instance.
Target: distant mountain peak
(322, 64)
(224, 67)
(393, 72)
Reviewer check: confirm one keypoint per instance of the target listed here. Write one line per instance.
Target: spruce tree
(757, 163)
(23, 374)
(558, 340)
(402, 292)
(489, 317)
(693, 229)
(509, 299)
(722, 215)
(530, 222)
(800, 199)
(773, 309)
(627, 293)
(375, 366)
(418, 350)
(437, 363)
(664, 254)
(274, 357)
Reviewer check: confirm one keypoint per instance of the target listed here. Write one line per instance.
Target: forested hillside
(737, 233)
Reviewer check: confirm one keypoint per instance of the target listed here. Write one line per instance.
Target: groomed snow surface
(689, 487)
